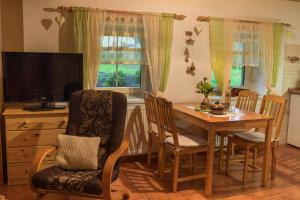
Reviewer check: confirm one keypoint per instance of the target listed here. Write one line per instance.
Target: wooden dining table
(236, 119)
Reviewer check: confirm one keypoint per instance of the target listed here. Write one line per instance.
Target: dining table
(232, 120)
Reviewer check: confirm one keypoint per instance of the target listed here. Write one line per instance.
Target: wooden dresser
(25, 133)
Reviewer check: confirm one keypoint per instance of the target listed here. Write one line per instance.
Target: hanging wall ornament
(192, 69)
(187, 54)
(60, 20)
(46, 23)
(189, 41)
(188, 71)
(197, 29)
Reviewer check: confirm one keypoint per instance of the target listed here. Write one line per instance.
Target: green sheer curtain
(165, 45)
(277, 39)
(158, 35)
(89, 26)
(217, 49)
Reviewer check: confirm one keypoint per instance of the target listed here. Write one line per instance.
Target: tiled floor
(144, 184)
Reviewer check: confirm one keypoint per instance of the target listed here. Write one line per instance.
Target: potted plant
(204, 88)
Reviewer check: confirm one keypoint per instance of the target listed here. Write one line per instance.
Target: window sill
(135, 100)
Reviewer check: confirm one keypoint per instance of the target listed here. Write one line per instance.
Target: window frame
(143, 76)
(243, 78)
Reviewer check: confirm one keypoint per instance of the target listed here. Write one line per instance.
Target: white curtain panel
(151, 34)
(88, 31)
(246, 44)
(230, 28)
(95, 34)
(251, 45)
(266, 53)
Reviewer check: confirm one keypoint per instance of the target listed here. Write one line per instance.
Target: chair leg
(191, 162)
(149, 150)
(232, 148)
(229, 147)
(40, 196)
(161, 161)
(194, 162)
(274, 158)
(221, 152)
(254, 158)
(175, 171)
(246, 164)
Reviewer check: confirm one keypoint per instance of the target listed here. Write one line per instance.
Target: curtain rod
(206, 19)
(70, 9)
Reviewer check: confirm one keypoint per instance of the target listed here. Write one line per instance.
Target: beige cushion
(188, 140)
(77, 153)
(255, 137)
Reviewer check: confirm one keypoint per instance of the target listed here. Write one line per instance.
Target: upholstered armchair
(92, 113)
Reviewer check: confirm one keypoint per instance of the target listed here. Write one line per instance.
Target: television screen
(32, 76)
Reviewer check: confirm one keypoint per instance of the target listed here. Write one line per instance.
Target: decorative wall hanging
(60, 20)
(189, 41)
(293, 59)
(187, 54)
(46, 23)
(191, 69)
(197, 29)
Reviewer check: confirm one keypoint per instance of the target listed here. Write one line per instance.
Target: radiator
(136, 127)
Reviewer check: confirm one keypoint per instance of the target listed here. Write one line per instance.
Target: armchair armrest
(108, 168)
(37, 161)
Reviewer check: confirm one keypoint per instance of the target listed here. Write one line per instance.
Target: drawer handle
(36, 135)
(26, 139)
(27, 171)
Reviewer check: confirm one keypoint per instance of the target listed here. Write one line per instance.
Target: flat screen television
(29, 77)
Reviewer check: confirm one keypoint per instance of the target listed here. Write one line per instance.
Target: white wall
(180, 86)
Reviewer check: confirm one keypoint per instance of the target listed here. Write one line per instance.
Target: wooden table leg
(266, 162)
(210, 160)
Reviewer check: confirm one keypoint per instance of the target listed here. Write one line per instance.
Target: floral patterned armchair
(92, 113)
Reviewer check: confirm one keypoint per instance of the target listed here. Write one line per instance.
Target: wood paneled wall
(12, 25)
(1, 98)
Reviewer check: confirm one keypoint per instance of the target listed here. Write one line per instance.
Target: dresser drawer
(35, 123)
(26, 154)
(19, 173)
(32, 137)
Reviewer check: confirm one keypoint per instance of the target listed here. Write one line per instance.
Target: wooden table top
(237, 115)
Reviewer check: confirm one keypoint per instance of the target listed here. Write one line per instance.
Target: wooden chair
(152, 120)
(272, 106)
(92, 113)
(246, 101)
(178, 144)
(153, 129)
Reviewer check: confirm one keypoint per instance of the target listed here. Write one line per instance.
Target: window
(237, 77)
(121, 62)
(240, 59)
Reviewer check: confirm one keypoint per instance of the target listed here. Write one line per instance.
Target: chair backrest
(247, 100)
(167, 119)
(273, 105)
(151, 110)
(98, 113)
